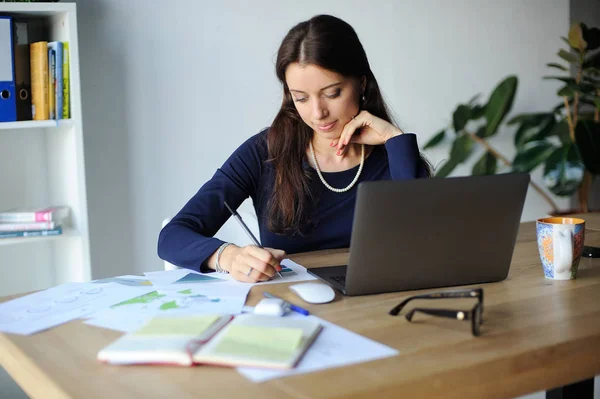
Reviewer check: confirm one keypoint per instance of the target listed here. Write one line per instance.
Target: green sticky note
(260, 343)
(184, 325)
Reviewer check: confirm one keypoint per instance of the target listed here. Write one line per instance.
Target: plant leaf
(525, 133)
(593, 61)
(566, 91)
(566, 41)
(582, 87)
(569, 81)
(461, 148)
(565, 55)
(477, 112)
(486, 165)
(546, 127)
(557, 66)
(587, 137)
(576, 37)
(482, 132)
(592, 37)
(530, 155)
(561, 130)
(500, 103)
(446, 168)
(586, 88)
(533, 117)
(563, 171)
(535, 130)
(461, 117)
(435, 140)
(590, 80)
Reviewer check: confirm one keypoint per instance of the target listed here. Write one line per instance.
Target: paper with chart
(334, 347)
(130, 280)
(190, 298)
(165, 277)
(291, 272)
(60, 304)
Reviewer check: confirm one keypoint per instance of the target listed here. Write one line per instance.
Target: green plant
(566, 139)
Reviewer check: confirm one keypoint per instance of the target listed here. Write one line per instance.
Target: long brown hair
(332, 44)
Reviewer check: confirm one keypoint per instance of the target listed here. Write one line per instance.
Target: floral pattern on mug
(545, 241)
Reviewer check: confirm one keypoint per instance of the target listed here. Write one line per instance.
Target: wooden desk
(538, 334)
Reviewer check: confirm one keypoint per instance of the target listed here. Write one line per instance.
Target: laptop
(429, 233)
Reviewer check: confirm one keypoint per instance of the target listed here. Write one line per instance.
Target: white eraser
(271, 307)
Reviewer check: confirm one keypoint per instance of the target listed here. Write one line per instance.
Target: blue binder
(8, 99)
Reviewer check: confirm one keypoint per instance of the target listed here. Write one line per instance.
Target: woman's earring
(363, 98)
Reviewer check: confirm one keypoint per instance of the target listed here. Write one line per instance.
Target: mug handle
(563, 249)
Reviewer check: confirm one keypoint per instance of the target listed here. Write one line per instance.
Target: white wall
(170, 89)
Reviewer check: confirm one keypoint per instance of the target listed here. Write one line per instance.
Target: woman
(333, 131)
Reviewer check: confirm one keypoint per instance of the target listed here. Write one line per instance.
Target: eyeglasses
(475, 315)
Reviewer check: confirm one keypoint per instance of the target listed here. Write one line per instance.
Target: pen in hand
(246, 229)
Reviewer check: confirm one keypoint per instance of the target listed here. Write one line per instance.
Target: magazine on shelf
(33, 215)
(31, 233)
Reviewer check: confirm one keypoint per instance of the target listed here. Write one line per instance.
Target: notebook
(244, 340)
(260, 341)
(164, 340)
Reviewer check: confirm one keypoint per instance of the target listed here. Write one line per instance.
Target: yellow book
(66, 108)
(38, 58)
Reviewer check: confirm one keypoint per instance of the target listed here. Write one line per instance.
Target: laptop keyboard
(341, 280)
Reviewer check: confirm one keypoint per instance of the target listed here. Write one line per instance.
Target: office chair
(231, 231)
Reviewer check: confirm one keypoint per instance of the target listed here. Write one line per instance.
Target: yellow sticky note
(184, 325)
(261, 343)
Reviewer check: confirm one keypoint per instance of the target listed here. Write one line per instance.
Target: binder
(8, 103)
(22, 72)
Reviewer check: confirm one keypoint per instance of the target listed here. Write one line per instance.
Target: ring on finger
(249, 272)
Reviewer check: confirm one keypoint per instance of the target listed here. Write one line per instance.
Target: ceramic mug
(560, 242)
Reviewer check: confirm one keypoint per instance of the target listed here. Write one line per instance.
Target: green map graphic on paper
(167, 301)
(143, 299)
(169, 305)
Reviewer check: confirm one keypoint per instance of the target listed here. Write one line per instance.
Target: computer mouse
(314, 292)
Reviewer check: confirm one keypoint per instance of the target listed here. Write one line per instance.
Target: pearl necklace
(352, 183)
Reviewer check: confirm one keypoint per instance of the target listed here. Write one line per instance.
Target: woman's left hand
(365, 128)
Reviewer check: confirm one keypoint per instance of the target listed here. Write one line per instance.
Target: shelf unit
(42, 164)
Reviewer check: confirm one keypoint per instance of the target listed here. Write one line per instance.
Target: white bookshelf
(42, 164)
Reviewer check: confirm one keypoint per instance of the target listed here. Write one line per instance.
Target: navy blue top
(187, 241)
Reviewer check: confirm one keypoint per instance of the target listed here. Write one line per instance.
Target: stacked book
(41, 72)
(49, 63)
(27, 222)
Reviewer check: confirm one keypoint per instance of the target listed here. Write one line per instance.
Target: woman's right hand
(251, 264)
